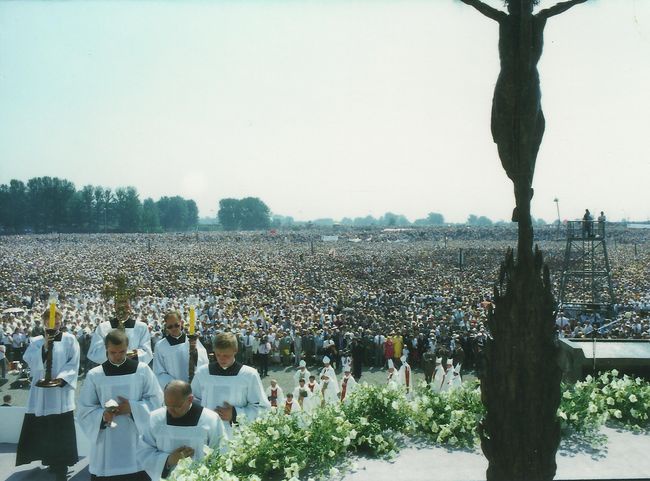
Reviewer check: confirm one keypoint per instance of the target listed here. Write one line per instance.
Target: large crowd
(372, 294)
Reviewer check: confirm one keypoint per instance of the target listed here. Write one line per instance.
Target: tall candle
(192, 319)
(52, 313)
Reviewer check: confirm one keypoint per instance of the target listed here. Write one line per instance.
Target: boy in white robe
(290, 405)
(171, 359)
(438, 376)
(48, 432)
(137, 332)
(348, 384)
(449, 373)
(233, 390)
(301, 395)
(405, 375)
(312, 400)
(115, 404)
(455, 381)
(328, 391)
(274, 394)
(302, 372)
(179, 430)
(392, 376)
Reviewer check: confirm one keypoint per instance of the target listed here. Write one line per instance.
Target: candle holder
(194, 355)
(48, 381)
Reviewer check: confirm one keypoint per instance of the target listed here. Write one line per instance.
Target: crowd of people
(200, 320)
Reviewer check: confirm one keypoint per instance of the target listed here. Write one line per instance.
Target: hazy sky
(324, 108)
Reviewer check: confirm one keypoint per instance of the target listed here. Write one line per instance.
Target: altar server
(274, 394)
(328, 390)
(301, 395)
(290, 405)
(405, 375)
(115, 404)
(179, 430)
(137, 332)
(348, 383)
(232, 389)
(392, 376)
(48, 432)
(438, 376)
(171, 360)
(301, 373)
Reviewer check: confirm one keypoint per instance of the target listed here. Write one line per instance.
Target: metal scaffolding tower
(586, 283)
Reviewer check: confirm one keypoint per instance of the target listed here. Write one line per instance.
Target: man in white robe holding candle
(179, 430)
(232, 389)
(48, 433)
(171, 359)
(136, 331)
(115, 404)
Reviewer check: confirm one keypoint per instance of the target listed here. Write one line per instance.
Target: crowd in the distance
(387, 294)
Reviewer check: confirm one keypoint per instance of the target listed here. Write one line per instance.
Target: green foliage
(47, 204)
(249, 213)
(449, 418)
(374, 417)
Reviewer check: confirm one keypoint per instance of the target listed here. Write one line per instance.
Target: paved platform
(625, 456)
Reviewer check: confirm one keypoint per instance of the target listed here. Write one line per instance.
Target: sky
(331, 108)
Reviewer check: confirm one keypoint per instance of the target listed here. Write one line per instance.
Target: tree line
(50, 204)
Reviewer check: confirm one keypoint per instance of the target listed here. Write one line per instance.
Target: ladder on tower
(586, 283)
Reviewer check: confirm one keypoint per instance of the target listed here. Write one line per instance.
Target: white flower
(614, 372)
(254, 477)
(207, 450)
(395, 405)
(251, 463)
(573, 417)
(353, 434)
(618, 414)
(632, 398)
(203, 470)
(228, 464)
(363, 421)
(346, 441)
(331, 454)
(592, 408)
(610, 401)
(562, 414)
(334, 472)
(566, 395)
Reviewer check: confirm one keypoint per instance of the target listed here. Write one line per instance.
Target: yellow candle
(52, 314)
(192, 319)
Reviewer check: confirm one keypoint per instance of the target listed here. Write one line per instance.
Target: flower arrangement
(373, 418)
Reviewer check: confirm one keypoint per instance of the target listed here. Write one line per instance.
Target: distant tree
(433, 218)
(47, 203)
(394, 220)
(128, 209)
(325, 222)
(228, 214)
(254, 214)
(192, 217)
(150, 216)
(173, 213)
(367, 221)
(13, 206)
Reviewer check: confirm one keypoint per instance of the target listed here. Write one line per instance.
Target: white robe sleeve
(152, 399)
(159, 369)
(202, 354)
(70, 370)
(34, 354)
(197, 384)
(90, 410)
(257, 402)
(153, 460)
(145, 354)
(97, 349)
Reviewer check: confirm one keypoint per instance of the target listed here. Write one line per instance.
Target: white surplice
(114, 449)
(139, 338)
(173, 362)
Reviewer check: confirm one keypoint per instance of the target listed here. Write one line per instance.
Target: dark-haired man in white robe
(115, 404)
(179, 430)
(171, 359)
(137, 332)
